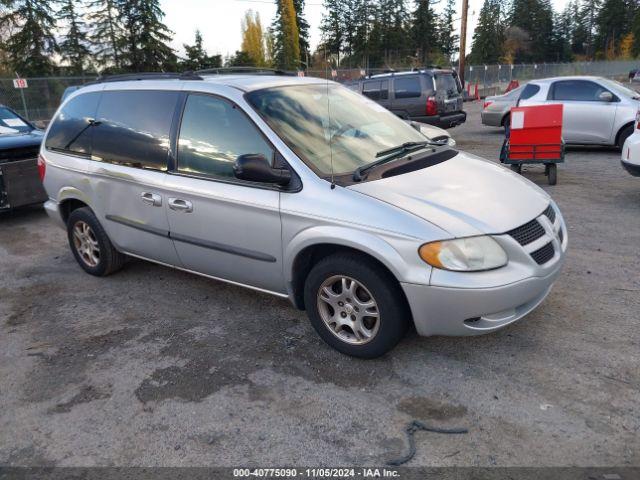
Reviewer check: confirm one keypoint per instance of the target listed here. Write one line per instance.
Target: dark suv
(19, 145)
(431, 96)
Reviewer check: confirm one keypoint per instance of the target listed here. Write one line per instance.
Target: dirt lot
(156, 367)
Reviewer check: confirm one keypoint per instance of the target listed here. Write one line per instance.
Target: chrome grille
(544, 254)
(527, 233)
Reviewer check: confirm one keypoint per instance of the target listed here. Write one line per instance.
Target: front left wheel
(624, 134)
(355, 305)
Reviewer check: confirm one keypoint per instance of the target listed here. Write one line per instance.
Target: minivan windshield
(330, 124)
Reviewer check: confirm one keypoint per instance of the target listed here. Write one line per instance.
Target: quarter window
(71, 130)
(408, 87)
(214, 133)
(133, 128)
(529, 91)
(577, 90)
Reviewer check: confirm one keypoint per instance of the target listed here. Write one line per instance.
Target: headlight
(451, 142)
(470, 254)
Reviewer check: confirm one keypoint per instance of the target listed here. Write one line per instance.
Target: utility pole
(463, 40)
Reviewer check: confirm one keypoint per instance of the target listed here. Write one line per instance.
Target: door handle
(152, 199)
(180, 205)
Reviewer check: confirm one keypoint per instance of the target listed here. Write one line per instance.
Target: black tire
(624, 134)
(552, 173)
(516, 167)
(506, 120)
(109, 260)
(394, 315)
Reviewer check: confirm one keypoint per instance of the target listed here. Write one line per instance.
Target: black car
(20, 182)
(432, 96)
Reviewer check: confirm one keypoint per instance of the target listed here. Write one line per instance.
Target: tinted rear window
(445, 83)
(71, 130)
(133, 128)
(407, 87)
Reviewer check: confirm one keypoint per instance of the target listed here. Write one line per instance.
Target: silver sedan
(496, 108)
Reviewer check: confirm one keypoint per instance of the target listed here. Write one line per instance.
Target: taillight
(486, 104)
(42, 167)
(638, 120)
(432, 106)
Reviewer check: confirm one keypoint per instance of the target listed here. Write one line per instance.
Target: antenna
(326, 62)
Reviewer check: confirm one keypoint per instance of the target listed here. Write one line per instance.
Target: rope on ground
(411, 429)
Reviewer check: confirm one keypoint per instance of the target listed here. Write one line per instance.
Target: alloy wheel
(348, 310)
(86, 244)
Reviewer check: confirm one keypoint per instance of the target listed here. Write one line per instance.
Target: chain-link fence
(41, 98)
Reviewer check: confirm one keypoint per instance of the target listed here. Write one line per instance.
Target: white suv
(302, 189)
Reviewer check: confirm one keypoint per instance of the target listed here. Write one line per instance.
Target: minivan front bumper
(474, 311)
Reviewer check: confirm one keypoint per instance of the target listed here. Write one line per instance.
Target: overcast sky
(219, 20)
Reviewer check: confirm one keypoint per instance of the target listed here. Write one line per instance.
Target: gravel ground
(156, 367)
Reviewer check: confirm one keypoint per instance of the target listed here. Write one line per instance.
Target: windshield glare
(12, 123)
(310, 117)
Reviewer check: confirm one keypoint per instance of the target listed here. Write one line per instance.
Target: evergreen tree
(446, 31)
(74, 48)
(396, 39)
(277, 34)
(588, 15)
(488, 37)
(197, 57)
(253, 38)
(332, 28)
(563, 28)
(145, 42)
(30, 42)
(535, 17)
(287, 39)
(635, 29)
(107, 34)
(423, 31)
(613, 22)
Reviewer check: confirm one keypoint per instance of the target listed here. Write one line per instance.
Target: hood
(20, 140)
(465, 196)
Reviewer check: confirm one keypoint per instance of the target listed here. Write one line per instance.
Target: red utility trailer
(535, 137)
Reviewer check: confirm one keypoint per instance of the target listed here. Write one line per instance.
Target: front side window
(133, 128)
(72, 128)
(408, 87)
(330, 127)
(577, 90)
(214, 133)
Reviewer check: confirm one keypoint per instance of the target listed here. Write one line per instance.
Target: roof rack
(123, 77)
(245, 70)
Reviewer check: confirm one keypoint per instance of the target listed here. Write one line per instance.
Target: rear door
(131, 138)
(586, 118)
(408, 98)
(221, 226)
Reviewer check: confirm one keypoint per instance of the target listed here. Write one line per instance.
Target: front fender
(397, 252)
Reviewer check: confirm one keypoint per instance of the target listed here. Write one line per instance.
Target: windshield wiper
(389, 154)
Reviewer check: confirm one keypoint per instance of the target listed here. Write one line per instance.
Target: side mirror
(256, 168)
(605, 96)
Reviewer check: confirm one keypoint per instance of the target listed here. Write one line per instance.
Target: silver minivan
(303, 189)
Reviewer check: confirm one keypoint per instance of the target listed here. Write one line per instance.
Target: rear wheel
(506, 120)
(355, 306)
(90, 244)
(624, 134)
